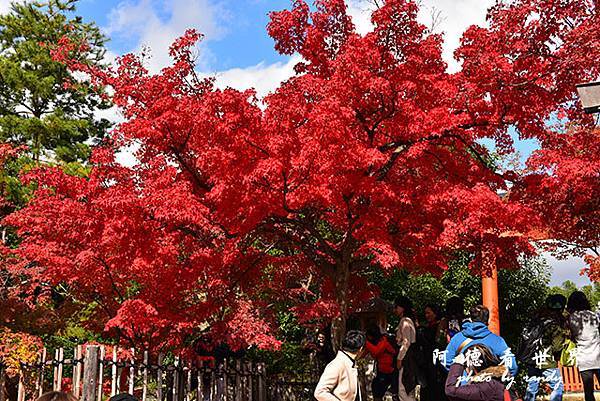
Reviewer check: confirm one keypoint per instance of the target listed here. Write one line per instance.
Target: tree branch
(111, 278)
(178, 153)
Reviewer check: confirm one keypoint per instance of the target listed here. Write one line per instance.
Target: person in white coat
(406, 336)
(584, 324)
(339, 381)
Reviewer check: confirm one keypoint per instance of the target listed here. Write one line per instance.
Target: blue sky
(238, 51)
(235, 29)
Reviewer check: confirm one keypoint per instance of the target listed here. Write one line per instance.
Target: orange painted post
(489, 285)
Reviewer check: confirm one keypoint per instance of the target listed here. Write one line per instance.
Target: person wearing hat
(542, 366)
(123, 397)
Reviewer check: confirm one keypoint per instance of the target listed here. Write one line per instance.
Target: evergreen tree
(42, 104)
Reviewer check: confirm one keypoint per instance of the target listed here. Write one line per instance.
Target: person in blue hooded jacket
(475, 331)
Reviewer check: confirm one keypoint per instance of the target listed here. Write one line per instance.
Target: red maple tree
(563, 186)
(368, 157)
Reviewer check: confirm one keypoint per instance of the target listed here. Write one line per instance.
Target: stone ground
(577, 397)
(566, 397)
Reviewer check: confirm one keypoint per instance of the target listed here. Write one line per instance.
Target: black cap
(123, 397)
(556, 302)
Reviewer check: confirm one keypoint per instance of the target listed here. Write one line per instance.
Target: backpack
(531, 340)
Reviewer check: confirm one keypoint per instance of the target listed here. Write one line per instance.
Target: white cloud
(155, 24)
(566, 269)
(112, 114)
(126, 155)
(110, 56)
(4, 6)
(360, 11)
(265, 78)
(456, 17)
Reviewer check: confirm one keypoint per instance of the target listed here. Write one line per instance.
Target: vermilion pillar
(489, 284)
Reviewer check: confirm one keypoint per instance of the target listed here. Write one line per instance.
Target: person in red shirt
(384, 353)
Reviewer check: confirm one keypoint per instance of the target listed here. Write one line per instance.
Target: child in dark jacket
(484, 381)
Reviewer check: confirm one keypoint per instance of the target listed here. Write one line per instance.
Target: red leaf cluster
(369, 157)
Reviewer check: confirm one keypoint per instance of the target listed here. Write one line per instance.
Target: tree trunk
(338, 325)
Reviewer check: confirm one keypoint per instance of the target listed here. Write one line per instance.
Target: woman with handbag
(486, 377)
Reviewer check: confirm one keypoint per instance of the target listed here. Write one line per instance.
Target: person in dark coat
(484, 381)
(323, 349)
(430, 337)
(320, 350)
(453, 318)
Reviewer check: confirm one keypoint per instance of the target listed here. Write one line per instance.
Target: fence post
(2, 384)
(249, 382)
(176, 380)
(77, 366)
(55, 363)
(61, 366)
(21, 388)
(145, 385)
(40, 379)
(224, 380)
(262, 385)
(113, 384)
(132, 372)
(101, 371)
(90, 373)
(199, 377)
(159, 378)
(238, 381)
(188, 382)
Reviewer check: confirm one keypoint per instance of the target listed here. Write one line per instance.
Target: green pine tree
(47, 117)
(42, 104)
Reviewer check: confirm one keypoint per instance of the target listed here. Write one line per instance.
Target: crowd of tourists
(64, 396)
(454, 356)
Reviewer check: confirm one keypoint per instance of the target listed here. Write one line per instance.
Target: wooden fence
(92, 375)
(572, 380)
